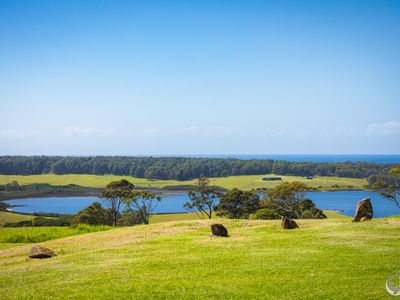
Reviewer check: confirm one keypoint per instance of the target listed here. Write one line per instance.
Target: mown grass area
(7, 217)
(323, 259)
(245, 182)
(173, 217)
(249, 182)
(41, 234)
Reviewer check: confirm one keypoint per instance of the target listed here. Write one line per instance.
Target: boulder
(364, 210)
(219, 230)
(288, 224)
(37, 251)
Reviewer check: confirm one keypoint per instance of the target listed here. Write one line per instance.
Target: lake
(173, 203)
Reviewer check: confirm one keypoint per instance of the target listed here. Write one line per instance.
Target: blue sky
(185, 77)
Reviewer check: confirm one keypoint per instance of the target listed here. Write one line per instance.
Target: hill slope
(245, 182)
(331, 258)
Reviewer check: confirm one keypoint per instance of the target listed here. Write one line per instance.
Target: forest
(182, 168)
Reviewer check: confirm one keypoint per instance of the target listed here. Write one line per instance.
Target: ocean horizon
(375, 158)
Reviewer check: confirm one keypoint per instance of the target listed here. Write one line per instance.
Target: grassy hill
(324, 259)
(10, 217)
(245, 182)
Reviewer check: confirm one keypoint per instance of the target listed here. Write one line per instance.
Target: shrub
(237, 204)
(129, 219)
(266, 214)
(94, 214)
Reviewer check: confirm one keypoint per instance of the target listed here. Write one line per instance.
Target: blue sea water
(377, 158)
(173, 203)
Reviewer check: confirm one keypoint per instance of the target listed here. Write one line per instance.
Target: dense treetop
(182, 168)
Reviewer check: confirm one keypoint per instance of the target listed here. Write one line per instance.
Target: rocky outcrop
(37, 251)
(288, 223)
(364, 211)
(219, 230)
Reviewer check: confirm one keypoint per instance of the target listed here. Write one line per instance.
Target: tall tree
(143, 203)
(287, 198)
(237, 204)
(203, 198)
(389, 186)
(115, 194)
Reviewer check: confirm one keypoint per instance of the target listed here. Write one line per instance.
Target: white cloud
(149, 131)
(286, 131)
(349, 131)
(89, 131)
(18, 133)
(205, 131)
(373, 129)
(387, 128)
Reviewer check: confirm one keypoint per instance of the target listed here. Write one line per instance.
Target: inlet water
(173, 203)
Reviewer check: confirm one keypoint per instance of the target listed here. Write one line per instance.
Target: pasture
(323, 259)
(245, 182)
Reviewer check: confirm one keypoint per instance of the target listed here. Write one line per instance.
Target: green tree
(143, 203)
(286, 199)
(237, 204)
(94, 214)
(203, 198)
(114, 196)
(389, 186)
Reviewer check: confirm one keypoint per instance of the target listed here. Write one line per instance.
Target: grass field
(173, 217)
(245, 182)
(41, 234)
(324, 259)
(8, 217)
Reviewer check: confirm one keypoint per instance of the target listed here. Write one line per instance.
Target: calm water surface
(173, 203)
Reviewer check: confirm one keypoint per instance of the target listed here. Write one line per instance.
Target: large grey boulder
(219, 230)
(364, 210)
(37, 251)
(288, 224)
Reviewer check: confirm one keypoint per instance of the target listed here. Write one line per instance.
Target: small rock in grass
(219, 230)
(37, 251)
(288, 223)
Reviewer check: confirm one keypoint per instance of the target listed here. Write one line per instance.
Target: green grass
(9, 217)
(41, 234)
(335, 215)
(173, 217)
(323, 259)
(245, 182)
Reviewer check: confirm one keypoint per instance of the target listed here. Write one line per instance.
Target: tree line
(182, 168)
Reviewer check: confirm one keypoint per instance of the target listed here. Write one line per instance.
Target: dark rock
(219, 230)
(288, 224)
(37, 251)
(364, 210)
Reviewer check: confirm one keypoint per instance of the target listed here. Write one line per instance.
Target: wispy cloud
(373, 129)
(18, 133)
(194, 130)
(387, 128)
(286, 131)
(149, 131)
(89, 131)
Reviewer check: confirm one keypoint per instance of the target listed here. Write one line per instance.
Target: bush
(266, 214)
(94, 214)
(130, 219)
(237, 204)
